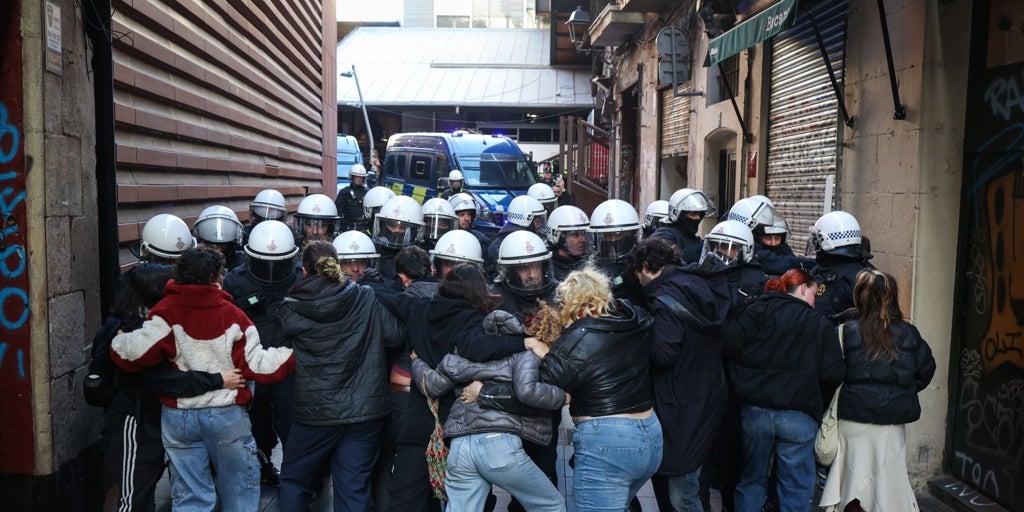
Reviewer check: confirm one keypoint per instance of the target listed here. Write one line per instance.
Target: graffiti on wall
(988, 424)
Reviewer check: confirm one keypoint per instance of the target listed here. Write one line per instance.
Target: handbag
(826, 443)
(437, 454)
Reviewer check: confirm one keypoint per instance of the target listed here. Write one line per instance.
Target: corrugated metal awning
(468, 67)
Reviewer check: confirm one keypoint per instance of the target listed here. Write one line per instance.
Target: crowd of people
(418, 362)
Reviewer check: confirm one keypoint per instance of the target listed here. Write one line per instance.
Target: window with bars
(729, 73)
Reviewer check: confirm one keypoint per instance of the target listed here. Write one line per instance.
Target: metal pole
(366, 117)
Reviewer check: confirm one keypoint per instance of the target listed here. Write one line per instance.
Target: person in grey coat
(487, 444)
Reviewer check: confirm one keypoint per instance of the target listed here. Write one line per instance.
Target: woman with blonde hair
(887, 364)
(602, 358)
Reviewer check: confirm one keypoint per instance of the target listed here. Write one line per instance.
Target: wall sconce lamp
(578, 23)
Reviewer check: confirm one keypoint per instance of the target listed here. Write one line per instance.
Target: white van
(348, 155)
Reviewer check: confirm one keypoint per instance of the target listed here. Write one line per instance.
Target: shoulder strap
(681, 312)
(842, 347)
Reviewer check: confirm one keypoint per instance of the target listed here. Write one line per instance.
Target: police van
(493, 166)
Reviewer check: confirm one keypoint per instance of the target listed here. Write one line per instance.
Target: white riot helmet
(835, 232)
(438, 219)
(567, 219)
(218, 225)
(456, 247)
(268, 205)
(753, 212)
(270, 252)
(357, 170)
(523, 262)
(731, 241)
(462, 201)
(316, 212)
(165, 236)
(545, 194)
(399, 223)
(355, 245)
(455, 175)
(689, 200)
(614, 229)
(374, 199)
(527, 212)
(656, 211)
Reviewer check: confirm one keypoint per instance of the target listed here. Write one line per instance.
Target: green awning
(751, 31)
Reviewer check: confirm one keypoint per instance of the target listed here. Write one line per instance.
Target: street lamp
(578, 23)
(366, 117)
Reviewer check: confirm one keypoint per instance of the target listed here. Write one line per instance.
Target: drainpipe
(97, 27)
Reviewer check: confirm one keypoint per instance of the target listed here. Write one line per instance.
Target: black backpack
(99, 384)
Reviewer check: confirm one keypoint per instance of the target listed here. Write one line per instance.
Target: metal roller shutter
(804, 123)
(675, 123)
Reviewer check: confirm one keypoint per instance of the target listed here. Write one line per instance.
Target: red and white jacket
(196, 327)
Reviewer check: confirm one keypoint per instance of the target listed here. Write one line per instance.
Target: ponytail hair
(320, 257)
(876, 298)
(789, 282)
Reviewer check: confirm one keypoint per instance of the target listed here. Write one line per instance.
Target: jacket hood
(321, 300)
(443, 308)
(702, 295)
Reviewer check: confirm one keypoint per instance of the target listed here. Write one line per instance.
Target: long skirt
(870, 466)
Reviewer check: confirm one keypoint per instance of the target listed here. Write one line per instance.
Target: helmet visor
(315, 228)
(574, 242)
(525, 277)
(435, 226)
(395, 233)
(270, 271)
(615, 245)
(267, 212)
(219, 231)
(730, 252)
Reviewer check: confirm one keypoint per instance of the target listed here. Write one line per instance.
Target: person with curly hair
(197, 327)
(887, 364)
(602, 358)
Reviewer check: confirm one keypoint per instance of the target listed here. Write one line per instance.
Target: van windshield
(496, 170)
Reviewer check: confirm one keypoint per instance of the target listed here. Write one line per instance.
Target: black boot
(269, 476)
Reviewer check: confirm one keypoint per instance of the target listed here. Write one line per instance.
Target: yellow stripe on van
(419, 194)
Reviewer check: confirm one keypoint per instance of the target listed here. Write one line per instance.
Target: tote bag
(826, 444)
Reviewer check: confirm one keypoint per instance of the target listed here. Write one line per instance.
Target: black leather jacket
(880, 391)
(604, 363)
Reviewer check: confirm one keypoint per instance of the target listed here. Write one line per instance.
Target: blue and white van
(494, 168)
(348, 155)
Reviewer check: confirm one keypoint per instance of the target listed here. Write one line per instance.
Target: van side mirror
(443, 183)
(371, 179)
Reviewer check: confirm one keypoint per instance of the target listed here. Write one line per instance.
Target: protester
(784, 365)
(887, 365)
(339, 333)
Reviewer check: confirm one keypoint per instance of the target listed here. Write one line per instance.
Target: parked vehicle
(348, 155)
(494, 168)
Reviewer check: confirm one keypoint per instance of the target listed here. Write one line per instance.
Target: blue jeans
(790, 434)
(193, 438)
(476, 461)
(684, 492)
(352, 450)
(614, 458)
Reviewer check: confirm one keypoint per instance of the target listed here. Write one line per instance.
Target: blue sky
(369, 10)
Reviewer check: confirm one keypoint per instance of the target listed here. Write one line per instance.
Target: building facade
(906, 118)
(111, 112)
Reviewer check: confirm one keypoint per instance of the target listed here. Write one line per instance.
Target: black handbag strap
(681, 312)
